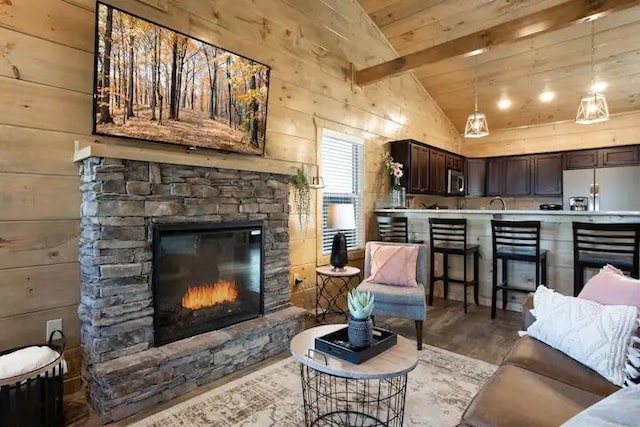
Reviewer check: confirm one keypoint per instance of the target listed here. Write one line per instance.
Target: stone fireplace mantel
(122, 200)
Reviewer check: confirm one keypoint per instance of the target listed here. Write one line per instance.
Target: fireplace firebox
(206, 276)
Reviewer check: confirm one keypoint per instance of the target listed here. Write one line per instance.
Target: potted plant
(360, 329)
(301, 197)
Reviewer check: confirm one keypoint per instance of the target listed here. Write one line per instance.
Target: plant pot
(360, 332)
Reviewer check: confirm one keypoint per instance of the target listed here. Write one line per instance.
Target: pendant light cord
(593, 54)
(475, 68)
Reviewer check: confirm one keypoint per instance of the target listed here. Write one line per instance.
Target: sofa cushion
(517, 397)
(536, 356)
(394, 294)
(599, 336)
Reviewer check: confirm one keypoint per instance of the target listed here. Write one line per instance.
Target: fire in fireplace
(205, 277)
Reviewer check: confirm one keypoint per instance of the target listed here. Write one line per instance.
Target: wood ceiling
(557, 61)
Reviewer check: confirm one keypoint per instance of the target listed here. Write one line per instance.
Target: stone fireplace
(184, 278)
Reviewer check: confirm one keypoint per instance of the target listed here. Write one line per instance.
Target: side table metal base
(330, 400)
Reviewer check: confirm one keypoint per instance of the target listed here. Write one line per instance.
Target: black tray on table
(337, 344)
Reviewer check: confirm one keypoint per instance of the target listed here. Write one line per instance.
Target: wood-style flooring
(473, 334)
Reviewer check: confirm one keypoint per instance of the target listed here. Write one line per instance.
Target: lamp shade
(592, 109)
(341, 216)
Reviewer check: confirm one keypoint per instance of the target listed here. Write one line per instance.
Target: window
(342, 168)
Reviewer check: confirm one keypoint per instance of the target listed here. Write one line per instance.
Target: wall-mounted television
(156, 84)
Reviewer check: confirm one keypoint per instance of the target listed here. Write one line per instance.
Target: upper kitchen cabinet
(495, 176)
(455, 162)
(415, 160)
(419, 169)
(517, 176)
(603, 157)
(508, 176)
(619, 156)
(476, 177)
(547, 174)
(437, 172)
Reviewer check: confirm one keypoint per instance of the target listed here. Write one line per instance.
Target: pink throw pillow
(611, 287)
(394, 265)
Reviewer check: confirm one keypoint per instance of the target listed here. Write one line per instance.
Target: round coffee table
(340, 393)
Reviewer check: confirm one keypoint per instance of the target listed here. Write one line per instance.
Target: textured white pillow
(598, 336)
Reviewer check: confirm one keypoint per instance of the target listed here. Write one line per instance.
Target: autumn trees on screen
(153, 83)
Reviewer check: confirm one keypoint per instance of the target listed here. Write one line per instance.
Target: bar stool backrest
(448, 232)
(613, 240)
(516, 236)
(392, 229)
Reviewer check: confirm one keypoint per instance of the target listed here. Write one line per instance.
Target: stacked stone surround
(121, 200)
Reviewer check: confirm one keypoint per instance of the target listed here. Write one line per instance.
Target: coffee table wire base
(330, 400)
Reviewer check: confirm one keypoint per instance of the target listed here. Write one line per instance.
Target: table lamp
(340, 217)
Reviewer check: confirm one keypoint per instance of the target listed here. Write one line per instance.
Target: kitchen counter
(556, 236)
(509, 212)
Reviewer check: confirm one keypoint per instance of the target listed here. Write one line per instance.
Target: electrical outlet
(53, 325)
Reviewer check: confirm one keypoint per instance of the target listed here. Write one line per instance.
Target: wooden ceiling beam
(544, 21)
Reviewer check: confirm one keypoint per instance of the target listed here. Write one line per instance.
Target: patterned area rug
(438, 391)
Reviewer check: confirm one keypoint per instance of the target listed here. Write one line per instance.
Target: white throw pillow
(598, 336)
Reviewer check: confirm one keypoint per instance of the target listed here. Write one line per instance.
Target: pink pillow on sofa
(394, 265)
(611, 287)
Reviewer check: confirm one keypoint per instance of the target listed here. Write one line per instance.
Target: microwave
(455, 182)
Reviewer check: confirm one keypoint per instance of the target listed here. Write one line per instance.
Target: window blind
(342, 168)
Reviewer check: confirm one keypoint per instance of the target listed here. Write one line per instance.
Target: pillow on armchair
(394, 265)
(611, 287)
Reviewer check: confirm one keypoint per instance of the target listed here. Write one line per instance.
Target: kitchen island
(556, 236)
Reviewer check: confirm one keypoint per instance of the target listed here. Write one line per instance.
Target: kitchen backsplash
(513, 203)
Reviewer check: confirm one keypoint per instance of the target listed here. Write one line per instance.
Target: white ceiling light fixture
(593, 106)
(477, 126)
(547, 96)
(504, 103)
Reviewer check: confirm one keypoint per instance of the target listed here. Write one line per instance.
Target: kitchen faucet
(498, 199)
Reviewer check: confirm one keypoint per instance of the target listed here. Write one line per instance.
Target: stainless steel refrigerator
(608, 189)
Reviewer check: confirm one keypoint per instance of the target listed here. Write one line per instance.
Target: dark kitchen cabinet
(619, 156)
(476, 177)
(415, 160)
(582, 159)
(454, 162)
(437, 172)
(419, 169)
(517, 176)
(547, 174)
(495, 178)
(603, 157)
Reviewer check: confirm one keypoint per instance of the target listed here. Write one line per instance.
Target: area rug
(438, 391)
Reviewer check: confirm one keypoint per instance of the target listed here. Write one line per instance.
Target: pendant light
(477, 126)
(593, 106)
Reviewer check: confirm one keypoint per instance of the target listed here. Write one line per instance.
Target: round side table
(339, 393)
(332, 287)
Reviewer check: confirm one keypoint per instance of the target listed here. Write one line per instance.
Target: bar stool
(449, 237)
(515, 241)
(596, 245)
(392, 229)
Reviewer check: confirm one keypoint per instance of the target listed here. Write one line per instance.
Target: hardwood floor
(473, 334)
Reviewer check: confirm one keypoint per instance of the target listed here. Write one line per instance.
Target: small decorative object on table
(397, 194)
(360, 329)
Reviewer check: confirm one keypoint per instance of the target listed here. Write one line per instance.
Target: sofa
(535, 385)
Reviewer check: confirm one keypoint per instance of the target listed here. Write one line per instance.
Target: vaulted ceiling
(558, 61)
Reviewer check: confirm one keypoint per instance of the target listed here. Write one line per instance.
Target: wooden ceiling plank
(551, 19)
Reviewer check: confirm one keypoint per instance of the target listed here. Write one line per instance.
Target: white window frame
(355, 238)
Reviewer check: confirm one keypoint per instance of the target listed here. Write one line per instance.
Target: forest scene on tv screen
(155, 84)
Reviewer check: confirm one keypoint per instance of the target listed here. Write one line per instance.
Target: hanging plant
(301, 197)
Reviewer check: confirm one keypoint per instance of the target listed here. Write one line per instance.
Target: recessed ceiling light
(547, 96)
(504, 103)
(598, 87)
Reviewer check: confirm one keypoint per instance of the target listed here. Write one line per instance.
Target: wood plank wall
(310, 46)
(621, 129)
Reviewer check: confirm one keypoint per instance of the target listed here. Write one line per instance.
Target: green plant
(360, 304)
(301, 197)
